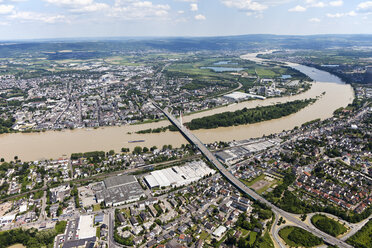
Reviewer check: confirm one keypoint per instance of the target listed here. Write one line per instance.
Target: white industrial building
(240, 96)
(178, 176)
(219, 231)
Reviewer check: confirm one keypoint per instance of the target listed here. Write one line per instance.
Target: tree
(137, 150)
(59, 211)
(303, 217)
(124, 149)
(153, 148)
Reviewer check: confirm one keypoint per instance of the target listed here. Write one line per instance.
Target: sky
(39, 19)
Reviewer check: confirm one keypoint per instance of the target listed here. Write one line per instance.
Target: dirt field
(5, 207)
(260, 184)
(17, 246)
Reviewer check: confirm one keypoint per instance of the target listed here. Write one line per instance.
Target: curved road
(242, 187)
(352, 227)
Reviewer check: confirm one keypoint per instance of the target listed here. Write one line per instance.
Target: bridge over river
(242, 187)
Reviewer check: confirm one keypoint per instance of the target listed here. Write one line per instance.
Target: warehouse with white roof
(178, 176)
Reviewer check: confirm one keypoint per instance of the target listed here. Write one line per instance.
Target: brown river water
(54, 144)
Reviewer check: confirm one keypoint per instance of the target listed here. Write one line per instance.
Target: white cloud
(255, 7)
(298, 8)
(245, 5)
(194, 7)
(315, 4)
(70, 3)
(339, 15)
(365, 7)
(180, 12)
(316, 20)
(200, 17)
(91, 8)
(6, 9)
(352, 13)
(336, 15)
(139, 10)
(79, 5)
(318, 5)
(337, 3)
(34, 16)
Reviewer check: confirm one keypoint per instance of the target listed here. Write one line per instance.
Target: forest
(31, 238)
(248, 116)
(328, 225)
(6, 125)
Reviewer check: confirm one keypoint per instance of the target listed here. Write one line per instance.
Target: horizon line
(101, 38)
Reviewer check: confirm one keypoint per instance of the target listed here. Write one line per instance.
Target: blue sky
(28, 19)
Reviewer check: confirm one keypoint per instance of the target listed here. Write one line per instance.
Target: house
(137, 241)
(121, 218)
(152, 243)
(133, 221)
(182, 228)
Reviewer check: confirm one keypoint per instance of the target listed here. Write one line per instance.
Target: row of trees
(95, 156)
(247, 116)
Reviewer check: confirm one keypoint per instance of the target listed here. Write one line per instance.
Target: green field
(244, 231)
(363, 238)
(265, 241)
(204, 235)
(328, 225)
(295, 237)
(126, 212)
(60, 226)
(96, 207)
(252, 237)
(263, 71)
(257, 179)
(251, 182)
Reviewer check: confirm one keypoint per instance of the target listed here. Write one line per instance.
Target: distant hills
(107, 46)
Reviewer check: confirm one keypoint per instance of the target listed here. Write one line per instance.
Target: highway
(242, 187)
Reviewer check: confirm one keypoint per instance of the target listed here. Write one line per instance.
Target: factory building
(119, 190)
(178, 176)
(240, 96)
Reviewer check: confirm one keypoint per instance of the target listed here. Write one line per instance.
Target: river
(54, 144)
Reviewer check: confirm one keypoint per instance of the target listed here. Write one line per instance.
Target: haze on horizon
(35, 19)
